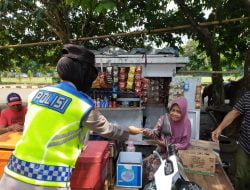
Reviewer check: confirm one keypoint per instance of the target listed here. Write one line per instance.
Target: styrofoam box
(129, 169)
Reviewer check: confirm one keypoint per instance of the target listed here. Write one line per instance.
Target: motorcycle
(170, 174)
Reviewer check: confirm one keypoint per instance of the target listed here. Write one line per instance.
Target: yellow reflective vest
(53, 136)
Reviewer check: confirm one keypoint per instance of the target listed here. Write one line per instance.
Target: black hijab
(77, 65)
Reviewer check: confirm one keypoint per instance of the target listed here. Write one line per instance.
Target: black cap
(77, 65)
(14, 99)
(79, 53)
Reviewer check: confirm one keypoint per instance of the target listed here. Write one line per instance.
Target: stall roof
(141, 59)
(116, 55)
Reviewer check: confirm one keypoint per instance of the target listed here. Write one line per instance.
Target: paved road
(24, 92)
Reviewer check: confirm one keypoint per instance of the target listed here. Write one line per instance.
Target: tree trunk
(56, 16)
(246, 84)
(206, 38)
(247, 71)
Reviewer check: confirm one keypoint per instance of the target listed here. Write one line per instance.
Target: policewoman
(56, 127)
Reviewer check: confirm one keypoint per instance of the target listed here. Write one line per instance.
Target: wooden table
(7, 145)
(219, 181)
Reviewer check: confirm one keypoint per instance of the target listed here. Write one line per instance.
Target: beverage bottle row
(104, 100)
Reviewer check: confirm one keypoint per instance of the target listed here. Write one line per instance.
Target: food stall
(132, 88)
(142, 103)
(139, 83)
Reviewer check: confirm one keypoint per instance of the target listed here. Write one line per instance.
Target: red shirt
(10, 117)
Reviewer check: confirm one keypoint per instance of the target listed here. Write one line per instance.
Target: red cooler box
(91, 167)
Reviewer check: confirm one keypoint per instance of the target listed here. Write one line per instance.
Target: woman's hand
(148, 133)
(162, 144)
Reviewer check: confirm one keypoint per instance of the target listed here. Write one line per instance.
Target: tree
(72, 19)
(216, 41)
(20, 24)
(198, 58)
(247, 52)
(56, 20)
(29, 73)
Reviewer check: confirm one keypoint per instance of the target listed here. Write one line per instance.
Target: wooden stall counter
(219, 181)
(7, 145)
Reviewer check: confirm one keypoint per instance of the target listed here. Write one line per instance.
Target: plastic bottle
(110, 103)
(105, 102)
(98, 102)
(130, 147)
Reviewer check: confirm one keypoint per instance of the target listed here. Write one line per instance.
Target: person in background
(179, 124)
(56, 127)
(242, 156)
(12, 117)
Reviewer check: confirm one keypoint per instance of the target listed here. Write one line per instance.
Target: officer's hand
(134, 130)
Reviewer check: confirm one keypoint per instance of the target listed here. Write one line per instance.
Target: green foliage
(232, 39)
(20, 25)
(27, 21)
(93, 5)
(198, 59)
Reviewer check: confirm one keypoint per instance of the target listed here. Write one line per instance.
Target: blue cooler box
(129, 169)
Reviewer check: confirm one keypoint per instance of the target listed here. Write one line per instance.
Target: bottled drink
(110, 103)
(98, 102)
(130, 147)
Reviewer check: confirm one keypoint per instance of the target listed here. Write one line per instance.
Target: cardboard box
(129, 169)
(198, 161)
(204, 145)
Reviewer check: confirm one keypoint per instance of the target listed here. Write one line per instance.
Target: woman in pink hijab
(180, 135)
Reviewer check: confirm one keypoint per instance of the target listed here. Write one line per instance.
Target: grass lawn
(33, 80)
(208, 79)
(48, 80)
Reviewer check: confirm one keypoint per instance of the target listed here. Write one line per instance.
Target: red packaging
(138, 68)
(122, 69)
(91, 167)
(122, 85)
(138, 83)
(122, 77)
(137, 75)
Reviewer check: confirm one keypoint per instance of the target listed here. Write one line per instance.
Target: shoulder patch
(51, 100)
